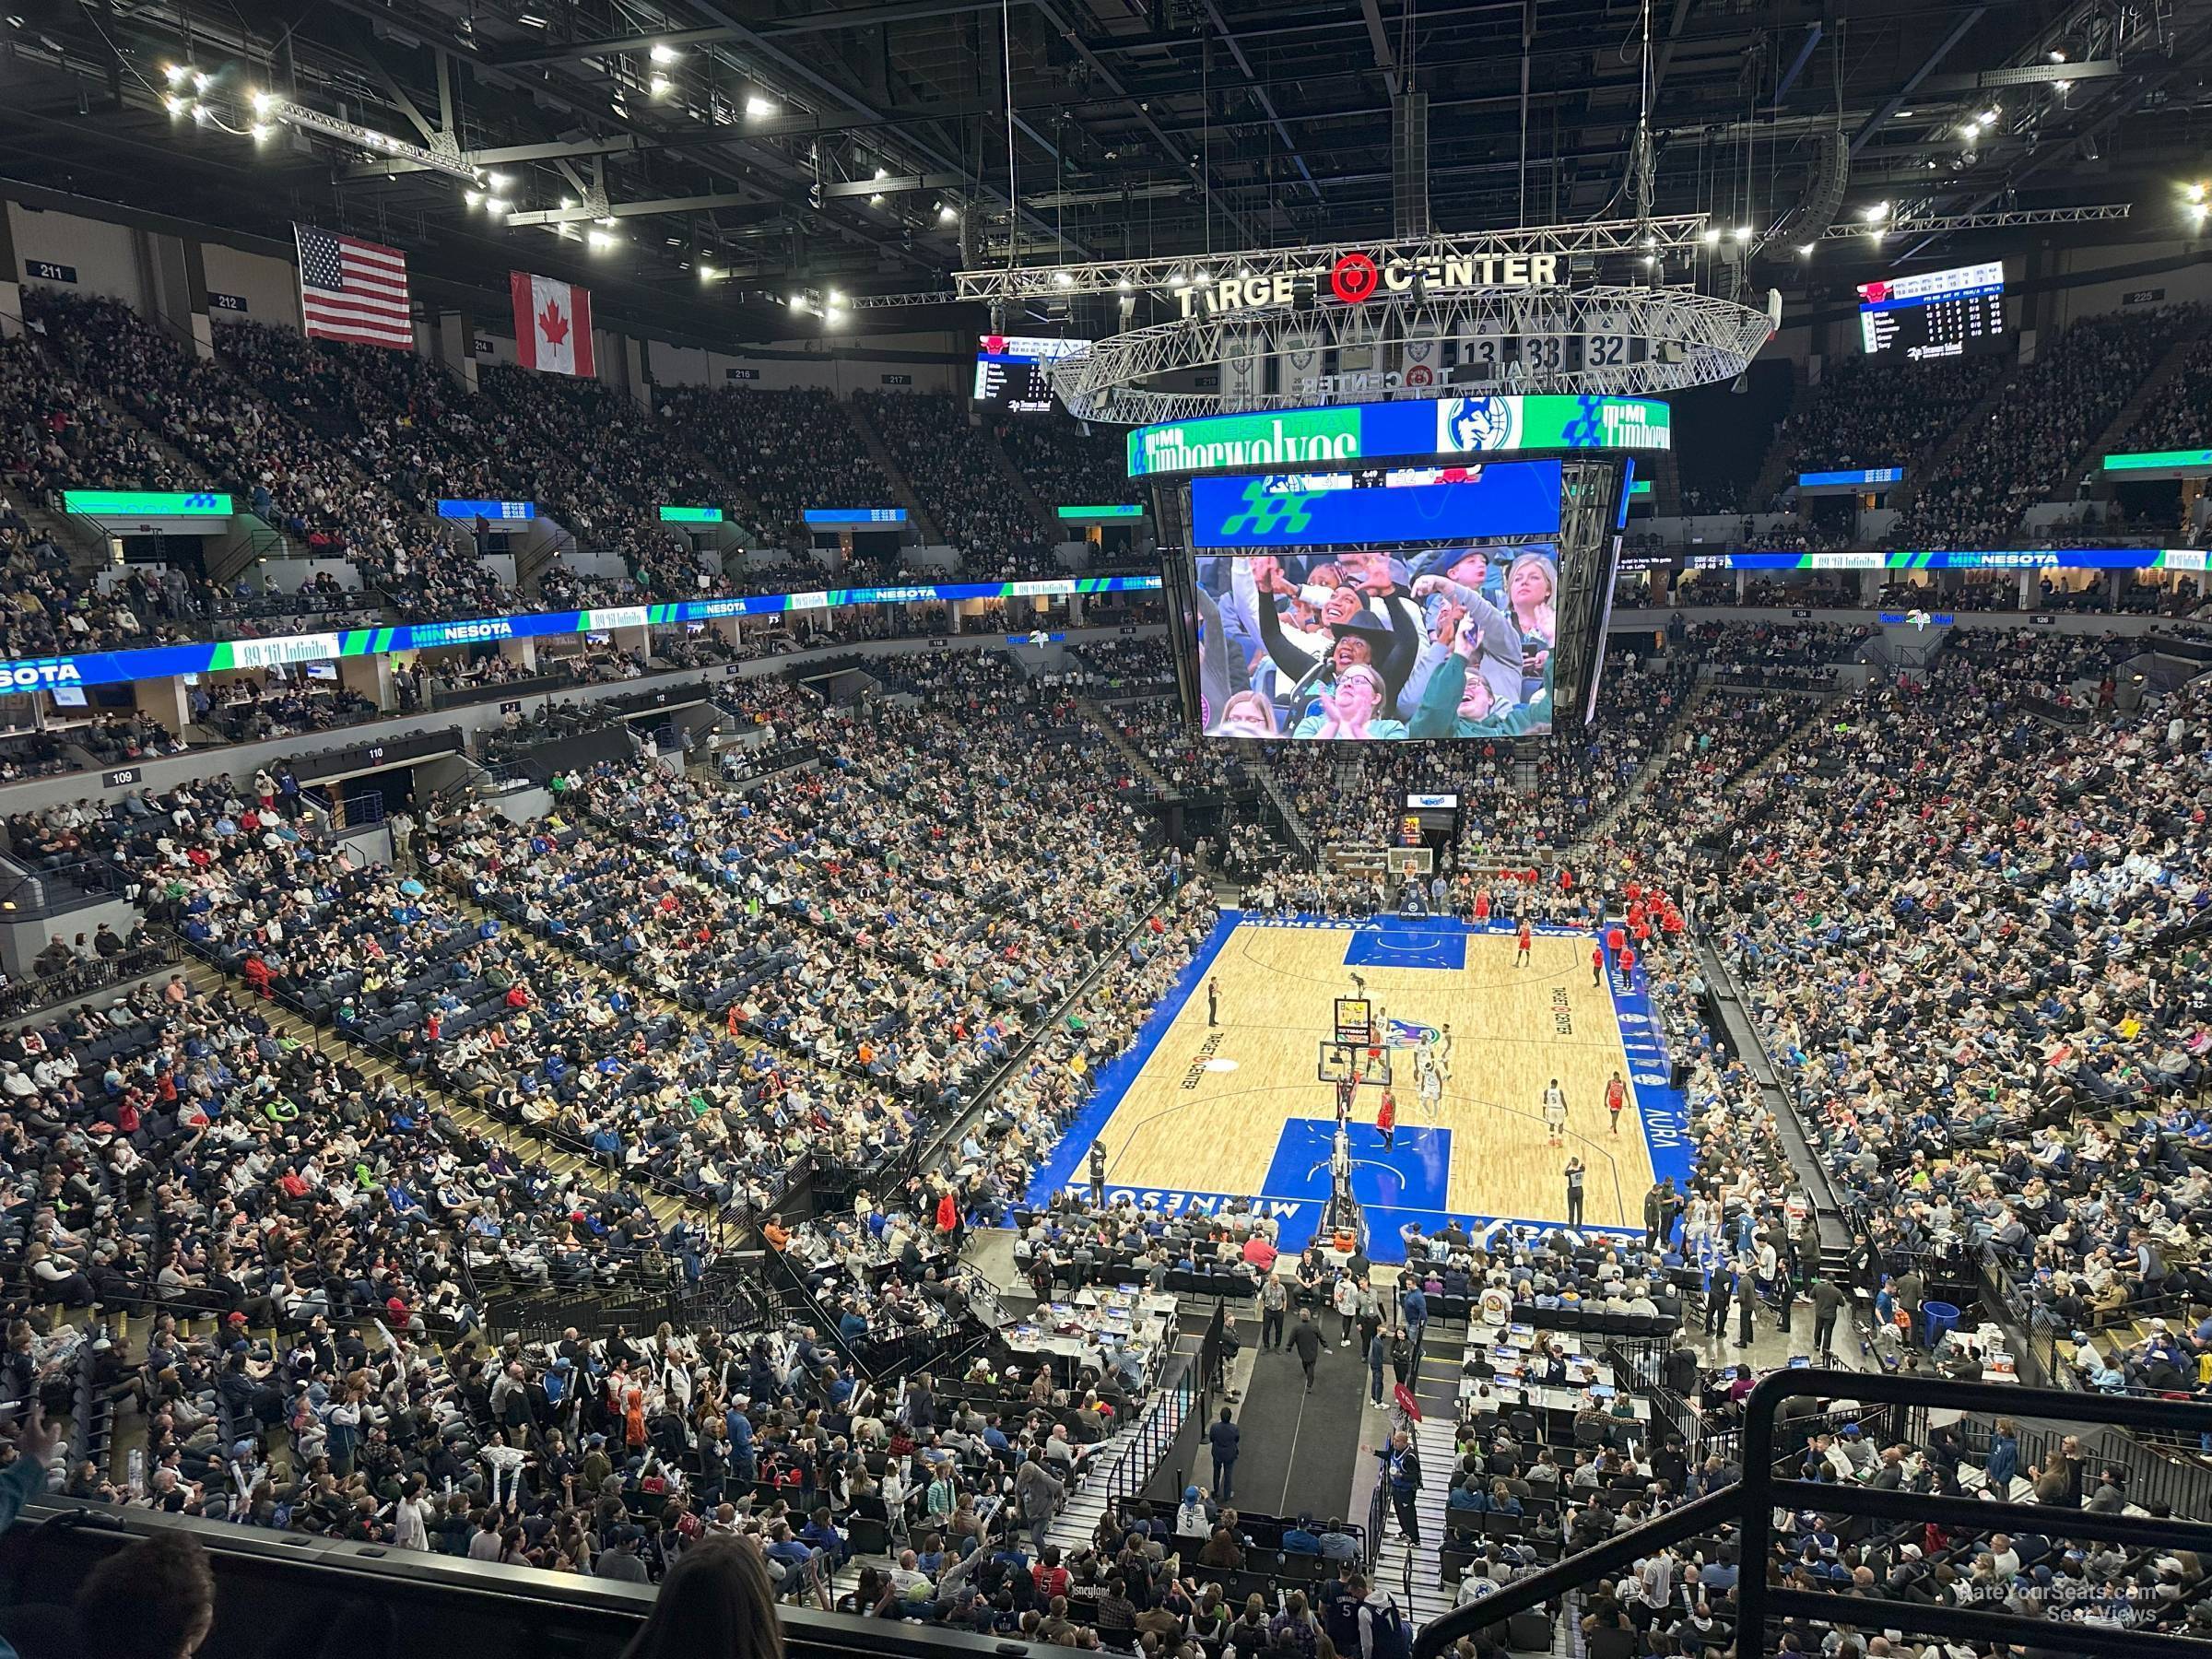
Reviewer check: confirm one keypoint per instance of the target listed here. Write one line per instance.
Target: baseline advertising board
(1440, 426)
(114, 667)
(1290, 510)
(2006, 558)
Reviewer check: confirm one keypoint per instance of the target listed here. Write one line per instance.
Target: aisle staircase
(1781, 464)
(1293, 821)
(887, 463)
(1048, 527)
(1655, 761)
(1139, 767)
(1435, 1438)
(1971, 426)
(1123, 1466)
(211, 983)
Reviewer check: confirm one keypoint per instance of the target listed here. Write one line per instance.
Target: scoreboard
(1013, 383)
(1010, 371)
(1933, 313)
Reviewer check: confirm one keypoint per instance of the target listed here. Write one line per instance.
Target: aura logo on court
(1409, 1034)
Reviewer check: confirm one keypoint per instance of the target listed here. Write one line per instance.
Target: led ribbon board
(1517, 498)
(2163, 464)
(1441, 426)
(457, 509)
(855, 515)
(1843, 483)
(2021, 558)
(146, 503)
(114, 667)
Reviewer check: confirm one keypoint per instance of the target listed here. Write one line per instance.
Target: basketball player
(1387, 1120)
(1554, 1111)
(1443, 1055)
(1432, 1083)
(1522, 940)
(1617, 1096)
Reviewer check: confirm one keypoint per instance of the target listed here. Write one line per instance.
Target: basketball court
(1195, 1116)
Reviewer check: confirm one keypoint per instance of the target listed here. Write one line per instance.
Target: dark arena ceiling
(699, 160)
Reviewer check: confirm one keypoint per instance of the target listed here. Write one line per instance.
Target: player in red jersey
(1617, 1096)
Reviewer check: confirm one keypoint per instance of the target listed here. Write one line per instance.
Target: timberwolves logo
(1466, 424)
(1268, 513)
(1409, 1034)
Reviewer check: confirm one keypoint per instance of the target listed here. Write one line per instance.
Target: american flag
(352, 289)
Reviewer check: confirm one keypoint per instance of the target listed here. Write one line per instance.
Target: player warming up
(1617, 1096)
(1521, 939)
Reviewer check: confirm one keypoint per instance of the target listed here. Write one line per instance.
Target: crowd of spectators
(960, 483)
(1874, 412)
(2180, 414)
(1067, 464)
(2035, 436)
(786, 451)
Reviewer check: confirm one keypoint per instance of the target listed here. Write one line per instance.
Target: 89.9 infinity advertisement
(1378, 645)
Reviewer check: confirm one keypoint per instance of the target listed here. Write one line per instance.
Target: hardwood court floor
(1183, 1124)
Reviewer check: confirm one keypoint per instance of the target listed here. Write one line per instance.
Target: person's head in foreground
(154, 1599)
(1248, 714)
(716, 1603)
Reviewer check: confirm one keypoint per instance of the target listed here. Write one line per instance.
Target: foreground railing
(1750, 1505)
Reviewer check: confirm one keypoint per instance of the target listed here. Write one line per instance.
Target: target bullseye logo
(1354, 277)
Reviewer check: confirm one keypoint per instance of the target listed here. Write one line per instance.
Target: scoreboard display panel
(1933, 313)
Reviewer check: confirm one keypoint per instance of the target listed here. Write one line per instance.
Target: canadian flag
(552, 323)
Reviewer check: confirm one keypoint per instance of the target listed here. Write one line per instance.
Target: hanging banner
(1241, 369)
(1422, 362)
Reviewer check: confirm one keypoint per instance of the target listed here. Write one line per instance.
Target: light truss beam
(1676, 234)
(2012, 219)
(899, 301)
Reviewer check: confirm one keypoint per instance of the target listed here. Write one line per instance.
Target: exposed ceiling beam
(1259, 91)
(724, 34)
(1896, 100)
(1386, 60)
(584, 212)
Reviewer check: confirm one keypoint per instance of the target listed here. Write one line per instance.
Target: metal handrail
(1749, 1504)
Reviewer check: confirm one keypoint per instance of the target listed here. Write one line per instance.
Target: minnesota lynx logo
(1266, 512)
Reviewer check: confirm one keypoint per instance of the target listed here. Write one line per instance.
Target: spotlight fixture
(1712, 233)
(665, 54)
(758, 108)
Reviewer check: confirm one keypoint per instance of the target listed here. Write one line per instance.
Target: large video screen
(1378, 644)
(1933, 313)
(1377, 505)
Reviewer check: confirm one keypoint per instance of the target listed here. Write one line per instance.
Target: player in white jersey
(1430, 1082)
(1554, 1111)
